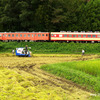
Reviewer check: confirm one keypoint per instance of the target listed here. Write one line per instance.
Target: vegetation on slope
(52, 47)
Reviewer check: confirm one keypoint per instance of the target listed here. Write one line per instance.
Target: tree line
(49, 15)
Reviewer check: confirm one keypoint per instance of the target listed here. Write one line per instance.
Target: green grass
(52, 47)
(85, 73)
(95, 97)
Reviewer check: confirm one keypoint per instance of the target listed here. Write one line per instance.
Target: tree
(90, 16)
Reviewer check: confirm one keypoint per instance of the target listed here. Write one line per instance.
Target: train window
(8, 35)
(84, 35)
(12, 35)
(74, 35)
(93, 35)
(35, 34)
(32, 35)
(20, 35)
(98, 36)
(46, 34)
(24, 35)
(0, 35)
(60, 35)
(3, 35)
(42, 34)
(79, 35)
(70, 35)
(16, 35)
(51, 34)
(28, 35)
(89, 35)
(65, 35)
(39, 35)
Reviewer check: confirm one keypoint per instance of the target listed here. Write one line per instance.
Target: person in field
(83, 51)
(26, 49)
(13, 51)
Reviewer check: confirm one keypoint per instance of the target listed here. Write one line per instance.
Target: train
(51, 36)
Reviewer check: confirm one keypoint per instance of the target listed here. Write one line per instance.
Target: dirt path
(32, 65)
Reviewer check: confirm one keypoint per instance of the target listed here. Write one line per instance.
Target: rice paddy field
(49, 77)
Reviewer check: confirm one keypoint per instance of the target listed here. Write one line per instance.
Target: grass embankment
(85, 73)
(52, 47)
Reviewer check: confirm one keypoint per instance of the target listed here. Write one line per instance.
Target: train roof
(75, 32)
(24, 32)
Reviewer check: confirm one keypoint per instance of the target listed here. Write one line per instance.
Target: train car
(25, 36)
(75, 36)
(42, 36)
(53, 36)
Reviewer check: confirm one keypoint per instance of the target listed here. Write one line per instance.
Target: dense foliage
(52, 47)
(49, 15)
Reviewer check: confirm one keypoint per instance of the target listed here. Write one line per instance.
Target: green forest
(49, 15)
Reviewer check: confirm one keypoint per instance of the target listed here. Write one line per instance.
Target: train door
(3, 37)
(33, 37)
(0, 36)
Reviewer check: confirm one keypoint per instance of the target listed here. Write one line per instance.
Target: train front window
(28, 35)
(94, 36)
(8, 35)
(79, 35)
(98, 36)
(39, 35)
(84, 35)
(24, 35)
(60, 35)
(65, 35)
(74, 35)
(70, 35)
(12, 35)
(89, 35)
(20, 35)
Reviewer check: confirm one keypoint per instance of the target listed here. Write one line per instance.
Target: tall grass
(52, 47)
(85, 73)
(91, 67)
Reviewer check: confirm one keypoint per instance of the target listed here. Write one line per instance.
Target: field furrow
(46, 84)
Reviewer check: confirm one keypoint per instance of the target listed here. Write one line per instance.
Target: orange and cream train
(51, 36)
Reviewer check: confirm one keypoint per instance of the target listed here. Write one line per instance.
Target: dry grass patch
(22, 79)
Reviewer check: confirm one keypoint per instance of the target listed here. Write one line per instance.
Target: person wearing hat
(83, 52)
(26, 49)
